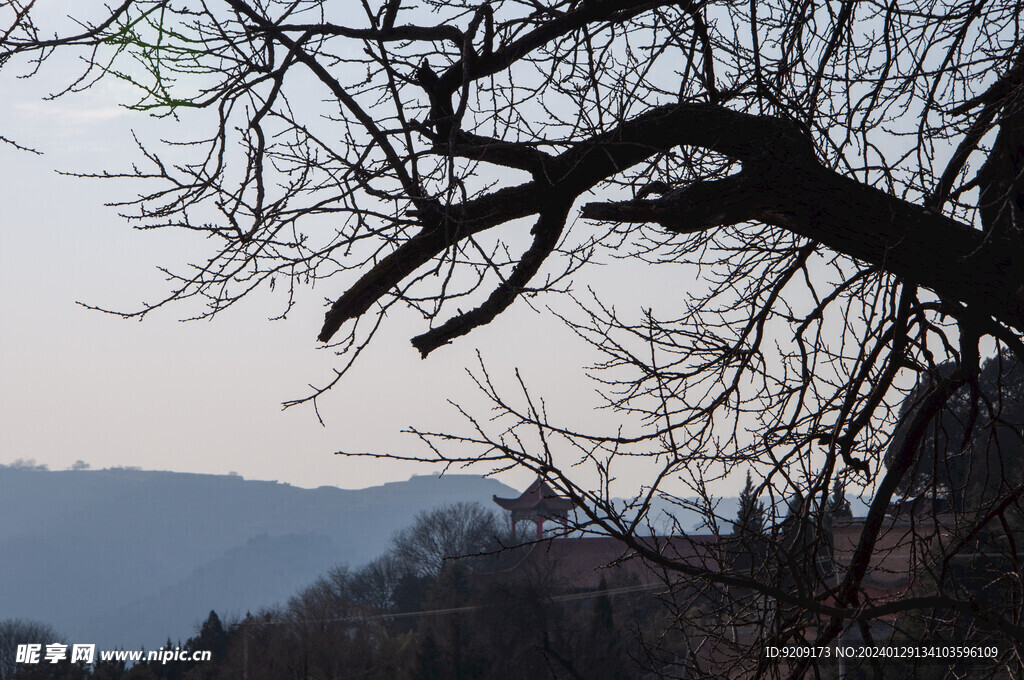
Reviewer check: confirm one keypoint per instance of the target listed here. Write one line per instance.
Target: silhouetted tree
(750, 519)
(212, 637)
(429, 664)
(972, 450)
(838, 505)
(14, 632)
(839, 184)
(448, 532)
(749, 541)
(601, 655)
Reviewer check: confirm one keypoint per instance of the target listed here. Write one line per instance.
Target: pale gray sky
(204, 396)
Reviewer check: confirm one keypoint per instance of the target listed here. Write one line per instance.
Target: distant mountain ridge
(126, 558)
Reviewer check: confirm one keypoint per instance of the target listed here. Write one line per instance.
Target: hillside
(128, 558)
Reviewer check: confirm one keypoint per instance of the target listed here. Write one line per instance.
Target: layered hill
(130, 558)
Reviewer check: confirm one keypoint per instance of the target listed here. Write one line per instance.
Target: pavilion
(537, 504)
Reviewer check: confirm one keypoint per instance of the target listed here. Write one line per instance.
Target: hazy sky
(206, 396)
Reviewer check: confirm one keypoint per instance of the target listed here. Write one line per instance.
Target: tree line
(440, 603)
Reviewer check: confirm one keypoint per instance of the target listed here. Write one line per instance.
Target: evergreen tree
(749, 544)
(751, 518)
(603, 657)
(603, 621)
(805, 547)
(429, 659)
(212, 637)
(972, 448)
(838, 506)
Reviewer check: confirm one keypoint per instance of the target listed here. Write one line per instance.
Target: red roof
(539, 497)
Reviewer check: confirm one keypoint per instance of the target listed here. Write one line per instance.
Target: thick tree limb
(458, 222)
(442, 32)
(918, 244)
(495, 151)
(909, 436)
(697, 207)
(562, 178)
(782, 184)
(546, 234)
(587, 13)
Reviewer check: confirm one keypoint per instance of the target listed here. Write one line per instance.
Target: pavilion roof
(539, 496)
